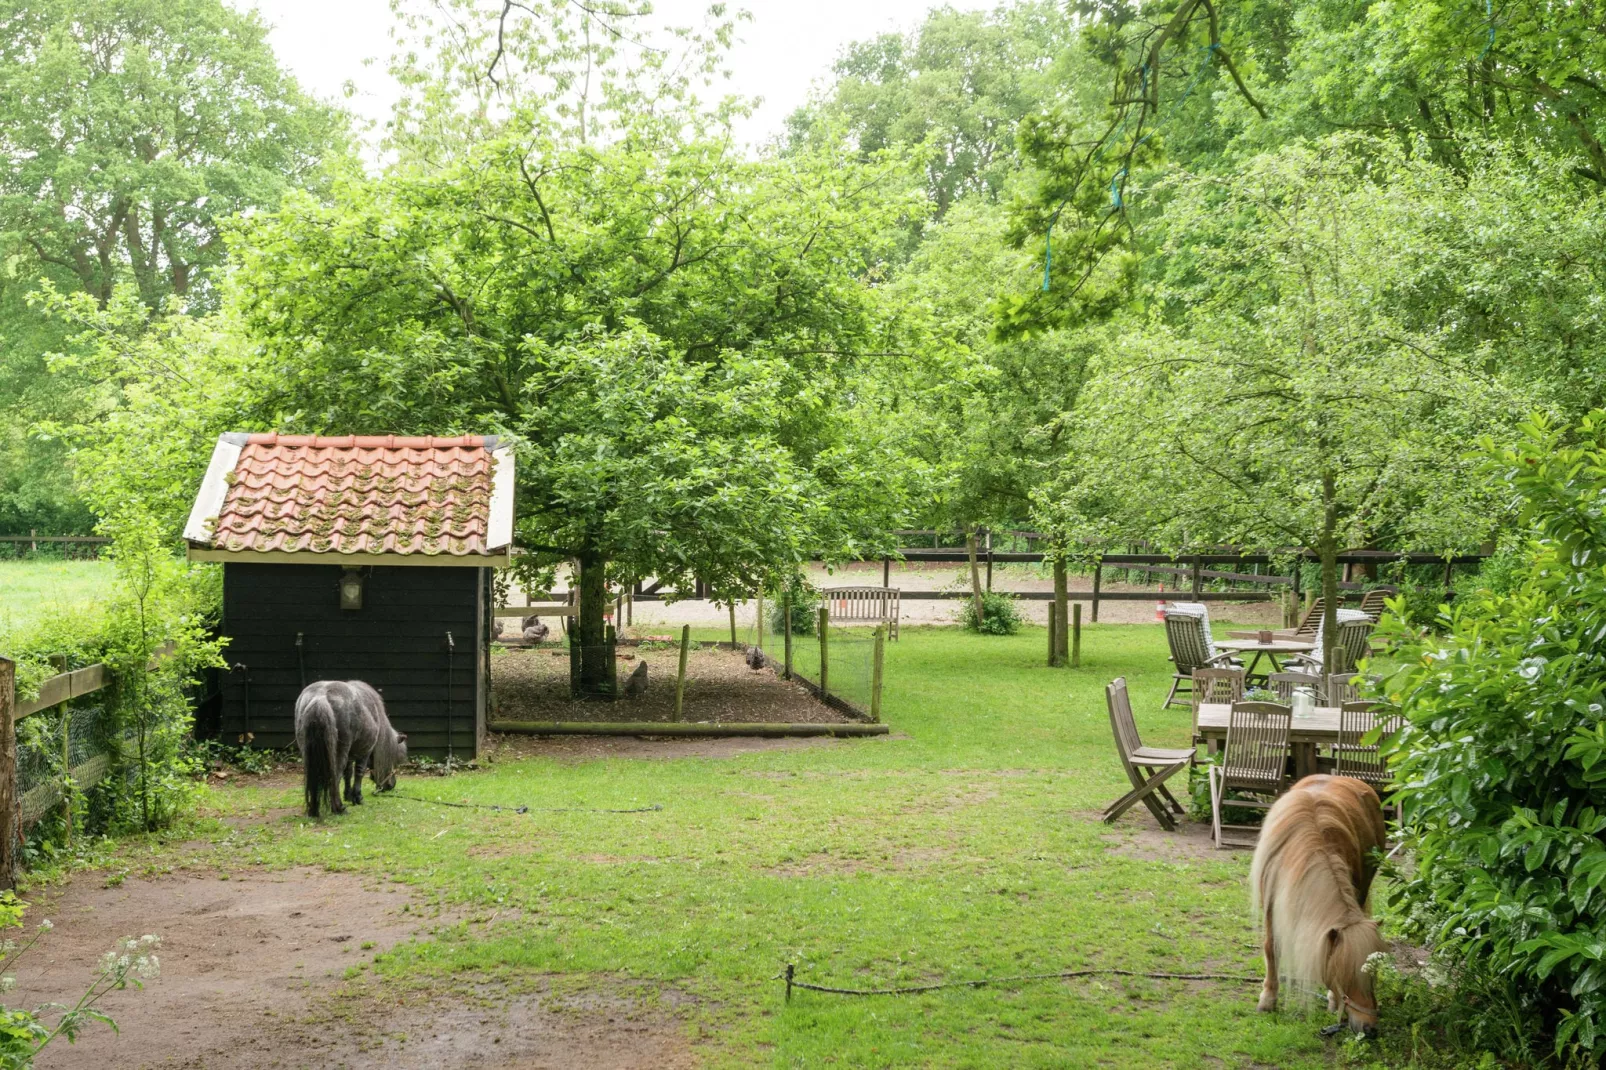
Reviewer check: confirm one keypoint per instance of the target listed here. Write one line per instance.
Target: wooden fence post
(758, 617)
(1061, 596)
(1053, 619)
(875, 672)
(66, 772)
(610, 639)
(680, 676)
(1098, 573)
(10, 804)
(1198, 579)
(825, 631)
(1076, 636)
(786, 623)
(733, 622)
(886, 572)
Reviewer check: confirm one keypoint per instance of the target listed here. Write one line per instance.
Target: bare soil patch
(532, 684)
(250, 970)
(1189, 843)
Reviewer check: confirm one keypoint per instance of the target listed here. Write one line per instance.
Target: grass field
(966, 845)
(32, 591)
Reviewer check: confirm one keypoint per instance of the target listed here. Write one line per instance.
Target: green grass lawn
(968, 844)
(32, 591)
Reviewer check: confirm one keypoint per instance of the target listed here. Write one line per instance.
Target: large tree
(130, 131)
(1281, 390)
(668, 328)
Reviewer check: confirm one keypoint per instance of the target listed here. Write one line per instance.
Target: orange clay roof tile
(358, 494)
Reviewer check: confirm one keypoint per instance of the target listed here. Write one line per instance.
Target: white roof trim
(209, 500)
(499, 528)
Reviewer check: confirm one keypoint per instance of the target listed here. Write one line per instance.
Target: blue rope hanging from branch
(1116, 200)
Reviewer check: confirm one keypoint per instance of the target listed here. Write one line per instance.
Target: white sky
(785, 48)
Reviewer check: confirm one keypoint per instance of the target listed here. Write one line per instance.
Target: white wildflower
(46, 925)
(7, 983)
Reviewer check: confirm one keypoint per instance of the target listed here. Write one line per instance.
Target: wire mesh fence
(638, 681)
(73, 737)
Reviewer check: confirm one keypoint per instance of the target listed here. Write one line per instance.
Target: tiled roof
(352, 494)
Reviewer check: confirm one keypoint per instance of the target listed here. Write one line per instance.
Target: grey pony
(343, 732)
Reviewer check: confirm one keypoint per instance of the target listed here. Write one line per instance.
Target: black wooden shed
(357, 557)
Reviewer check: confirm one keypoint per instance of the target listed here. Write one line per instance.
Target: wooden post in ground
(758, 614)
(886, 572)
(825, 631)
(1198, 577)
(786, 624)
(733, 622)
(610, 640)
(680, 675)
(630, 609)
(1061, 596)
(1076, 636)
(878, 660)
(1098, 573)
(10, 804)
(66, 772)
(1053, 645)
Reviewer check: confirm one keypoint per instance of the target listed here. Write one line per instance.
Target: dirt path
(250, 966)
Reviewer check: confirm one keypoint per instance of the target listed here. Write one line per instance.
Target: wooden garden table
(1306, 733)
(1270, 651)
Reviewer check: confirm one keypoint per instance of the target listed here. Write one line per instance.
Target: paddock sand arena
(925, 576)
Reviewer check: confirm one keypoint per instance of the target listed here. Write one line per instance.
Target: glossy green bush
(1502, 765)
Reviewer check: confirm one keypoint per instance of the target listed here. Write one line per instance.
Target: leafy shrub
(805, 603)
(999, 614)
(1502, 763)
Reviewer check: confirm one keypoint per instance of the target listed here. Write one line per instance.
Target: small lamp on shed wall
(351, 589)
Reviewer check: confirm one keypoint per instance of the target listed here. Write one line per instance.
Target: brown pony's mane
(1311, 880)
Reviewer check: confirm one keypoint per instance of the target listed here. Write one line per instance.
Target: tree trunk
(975, 577)
(594, 655)
(1327, 550)
(1062, 639)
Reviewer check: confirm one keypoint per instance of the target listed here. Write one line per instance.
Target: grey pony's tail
(318, 757)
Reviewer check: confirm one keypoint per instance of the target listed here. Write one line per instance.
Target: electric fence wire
(521, 809)
(789, 976)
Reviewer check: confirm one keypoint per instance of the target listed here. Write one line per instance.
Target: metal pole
(875, 673)
(450, 649)
(680, 675)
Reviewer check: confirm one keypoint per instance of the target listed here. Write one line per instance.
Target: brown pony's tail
(318, 738)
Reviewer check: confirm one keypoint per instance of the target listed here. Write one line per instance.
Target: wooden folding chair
(1254, 760)
(1147, 768)
(1224, 686)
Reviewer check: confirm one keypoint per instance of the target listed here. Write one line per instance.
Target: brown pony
(1311, 876)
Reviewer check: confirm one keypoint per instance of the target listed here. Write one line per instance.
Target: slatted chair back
(1255, 757)
(1224, 686)
(1354, 643)
(1312, 619)
(1124, 728)
(1186, 635)
(1352, 757)
(1283, 683)
(1345, 687)
(1372, 602)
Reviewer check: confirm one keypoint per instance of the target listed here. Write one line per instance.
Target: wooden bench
(874, 605)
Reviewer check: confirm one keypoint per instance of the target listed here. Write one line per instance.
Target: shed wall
(396, 642)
